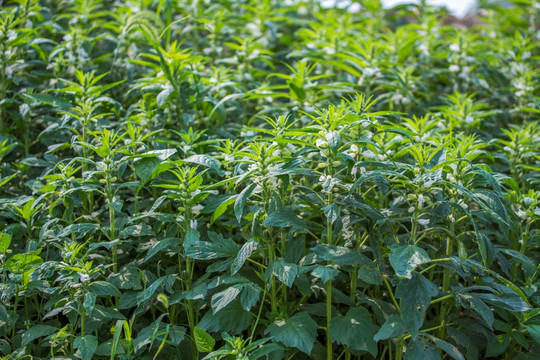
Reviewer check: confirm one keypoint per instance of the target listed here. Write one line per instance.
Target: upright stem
(329, 351)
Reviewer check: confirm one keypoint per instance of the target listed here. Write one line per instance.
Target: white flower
(522, 214)
(424, 49)
(197, 209)
(368, 154)
(368, 71)
(423, 221)
(454, 47)
(252, 167)
(229, 157)
(354, 171)
(428, 184)
(84, 277)
(329, 50)
(469, 119)
(320, 143)
(362, 170)
(276, 152)
(195, 193)
(193, 224)
(451, 217)
(421, 201)
(411, 209)
(454, 68)
(509, 149)
(354, 148)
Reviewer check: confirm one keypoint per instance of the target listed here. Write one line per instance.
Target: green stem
(329, 351)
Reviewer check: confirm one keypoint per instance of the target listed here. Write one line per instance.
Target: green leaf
(421, 350)
(145, 167)
(20, 263)
(163, 96)
(355, 330)
(36, 332)
(243, 254)
(221, 209)
(250, 295)
(333, 140)
(331, 212)
(203, 340)
(325, 273)
(286, 218)
(447, 348)
(204, 160)
(405, 258)
(415, 295)
(127, 278)
(217, 247)
(392, 328)
(103, 288)
(150, 290)
(86, 346)
(56, 101)
(471, 301)
(224, 298)
(285, 272)
(340, 255)
(534, 331)
(241, 201)
(299, 331)
(5, 241)
(233, 319)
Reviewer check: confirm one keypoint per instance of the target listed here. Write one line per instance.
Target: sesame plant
(269, 179)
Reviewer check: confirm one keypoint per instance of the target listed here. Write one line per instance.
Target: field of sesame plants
(266, 179)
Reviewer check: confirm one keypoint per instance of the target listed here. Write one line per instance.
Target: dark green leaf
(298, 332)
(405, 258)
(355, 330)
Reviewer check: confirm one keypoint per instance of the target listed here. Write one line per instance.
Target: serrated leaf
(36, 332)
(240, 201)
(145, 167)
(5, 241)
(204, 160)
(355, 330)
(86, 346)
(203, 340)
(405, 258)
(392, 328)
(415, 294)
(447, 348)
(325, 273)
(421, 350)
(224, 298)
(103, 288)
(243, 254)
(298, 332)
(286, 218)
(340, 255)
(217, 247)
(233, 319)
(163, 96)
(285, 272)
(331, 212)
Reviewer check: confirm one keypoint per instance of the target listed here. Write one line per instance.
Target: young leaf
(203, 340)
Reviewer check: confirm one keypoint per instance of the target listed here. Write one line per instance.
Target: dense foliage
(268, 179)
